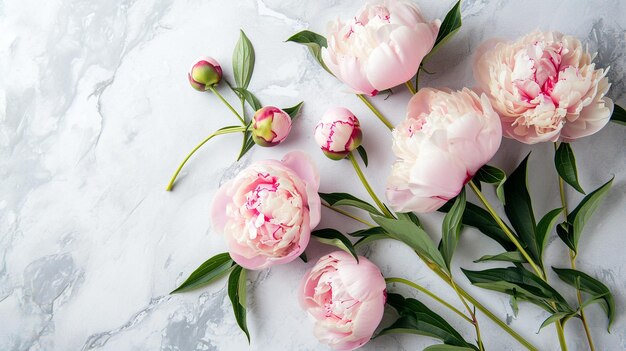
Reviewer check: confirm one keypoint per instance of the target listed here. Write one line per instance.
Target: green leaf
(564, 231)
(415, 237)
(303, 257)
(247, 145)
(619, 115)
(519, 209)
(211, 270)
(252, 100)
(368, 232)
(334, 237)
(509, 256)
(480, 219)
(237, 295)
(416, 318)
(565, 163)
(444, 347)
(555, 317)
(409, 216)
(370, 238)
(451, 228)
(363, 154)
(345, 199)
(544, 227)
(522, 284)
(243, 61)
(314, 42)
(581, 214)
(493, 175)
(293, 111)
(450, 25)
(592, 286)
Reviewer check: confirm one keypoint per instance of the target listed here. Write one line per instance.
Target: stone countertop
(96, 113)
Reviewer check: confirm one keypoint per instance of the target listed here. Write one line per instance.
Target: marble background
(96, 113)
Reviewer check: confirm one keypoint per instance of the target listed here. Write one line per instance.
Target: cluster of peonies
(543, 87)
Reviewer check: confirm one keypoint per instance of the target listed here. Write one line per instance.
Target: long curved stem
(348, 214)
(572, 260)
(409, 85)
(367, 186)
(375, 111)
(430, 294)
(170, 185)
(506, 229)
(230, 107)
(471, 313)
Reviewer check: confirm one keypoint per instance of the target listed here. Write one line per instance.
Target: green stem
(170, 185)
(230, 107)
(348, 214)
(474, 320)
(430, 294)
(506, 230)
(376, 112)
(572, 261)
(367, 186)
(561, 334)
(417, 78)
(410, 86)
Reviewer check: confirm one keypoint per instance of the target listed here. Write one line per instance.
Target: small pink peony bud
(270, 126)
(338, 133)
(204, 73)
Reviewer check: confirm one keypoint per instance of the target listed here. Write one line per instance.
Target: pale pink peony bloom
(204, 72)
(267, 211)
(445, 139)
(345, 298)
(338, 133)
(544, 86)
(270, 126)
(381, 47)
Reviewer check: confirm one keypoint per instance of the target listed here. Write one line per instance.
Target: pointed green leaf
(565, 163)
(519, 209)
(553, 318)
(509, 256)
(514, 305)
(564, 231)
(252, 100)
(619, 115)
(581, 214)
(334, 237)
(370, 238)
(415, 237)
(586, 283)
(314, 42)
(363, 154)
(409, 216)
(480, 219)
(493, 175)
(416, 318)
(247, 145)
(303, 257)
(544, 227)
(368, 231)
(243, 61)
(451, 228)
(293, 111)
(211, 270)
(450, 25)
(237, 295)
(345, 199)
(522, 284)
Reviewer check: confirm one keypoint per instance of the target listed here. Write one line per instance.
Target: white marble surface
(96, 112)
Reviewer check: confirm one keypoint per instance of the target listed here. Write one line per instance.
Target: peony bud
(204, 73)
(338, 133)
(270, 126)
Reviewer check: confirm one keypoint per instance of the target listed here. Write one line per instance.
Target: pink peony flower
(445, 139)
(345, 298)
(204, 72)
(338, 133)
(268, 210)
(270, 126)
(544, 86)
(381, 47)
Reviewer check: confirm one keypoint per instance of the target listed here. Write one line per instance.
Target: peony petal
(218, 207)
